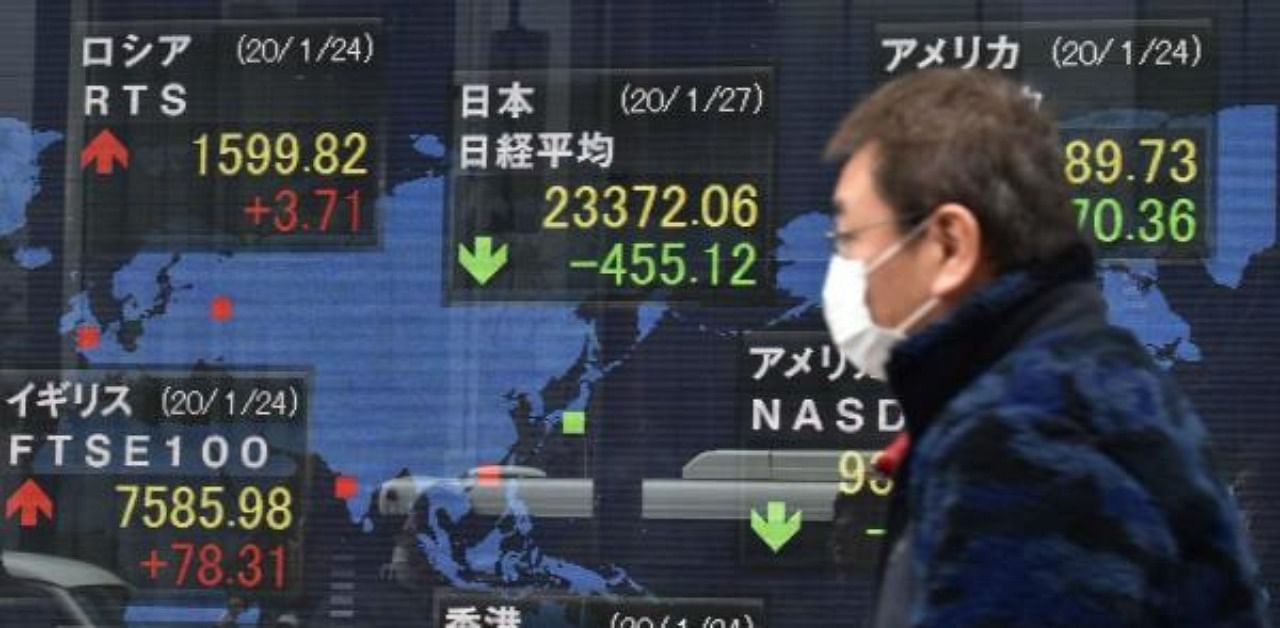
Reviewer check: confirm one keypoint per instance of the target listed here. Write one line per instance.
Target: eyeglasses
(842, 241)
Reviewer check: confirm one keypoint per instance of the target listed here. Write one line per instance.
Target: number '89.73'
(1150, 160)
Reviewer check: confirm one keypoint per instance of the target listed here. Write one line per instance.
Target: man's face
(900, 284)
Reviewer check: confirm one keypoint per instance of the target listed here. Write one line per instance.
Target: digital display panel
(509, 312)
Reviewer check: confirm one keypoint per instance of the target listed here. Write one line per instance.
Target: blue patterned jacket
(1057, 476)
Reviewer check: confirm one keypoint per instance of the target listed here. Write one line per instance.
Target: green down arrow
(777, 530)
(485, 262)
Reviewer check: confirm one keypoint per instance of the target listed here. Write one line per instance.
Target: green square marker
(574, 422)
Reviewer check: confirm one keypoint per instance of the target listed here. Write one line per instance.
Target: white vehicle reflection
(728, 484)
(487, 490)
(43, 590)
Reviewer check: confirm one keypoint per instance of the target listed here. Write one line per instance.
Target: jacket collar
(927, 370)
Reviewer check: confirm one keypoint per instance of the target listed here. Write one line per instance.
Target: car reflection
(727, 484)
(493, 490)
(40, 590)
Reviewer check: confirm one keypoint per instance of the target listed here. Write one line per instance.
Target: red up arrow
(31, 500)
(103, 152)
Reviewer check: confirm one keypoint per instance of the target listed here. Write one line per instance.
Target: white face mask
(844, 305)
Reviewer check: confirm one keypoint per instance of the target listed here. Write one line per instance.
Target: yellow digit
(1156, 144)
(251, 508)
(357, 143)
(1188, 161)
(1077, 168)
(153, 502)
(880, 486)
(677, 196)
(202, 143)
(257, 150)
(650, 195)
(279, 515)
(746, 207)
(1110, 161)
(228, 147)
(552, 220)
(589, 214)
(326, 160)
(288, 154)
(211, 502)
(132, 491)
(853, 472)
(617, 195)
(183, 514)
(715, 205)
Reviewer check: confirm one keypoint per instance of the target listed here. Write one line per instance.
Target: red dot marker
(345, 487)
(221, 308)
(489, 475)
(88, 337)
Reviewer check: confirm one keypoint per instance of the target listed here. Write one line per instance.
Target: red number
(287, 205)
(331, 201)
(250, 574)
(353, 200)
(290, 209)
(277, 553)
(187, 550)
(209, 574)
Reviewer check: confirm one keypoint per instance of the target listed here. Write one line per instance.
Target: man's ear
(958, 236)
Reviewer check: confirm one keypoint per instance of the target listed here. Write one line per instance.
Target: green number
(746, 253)
(1182, 219)
(1112, 207)
(713, 252)
(612, 264)
(644, 263)
(1082, 211)
(673, 257)
(641, 255)
(1153, 209)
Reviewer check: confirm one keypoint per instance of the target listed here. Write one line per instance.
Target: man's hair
(970, 137)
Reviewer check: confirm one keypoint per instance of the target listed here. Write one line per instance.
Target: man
(1055, 476)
